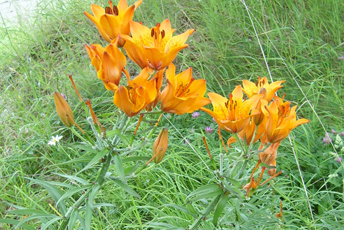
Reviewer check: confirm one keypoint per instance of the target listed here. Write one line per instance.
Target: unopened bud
(63, 109)
(160, 146)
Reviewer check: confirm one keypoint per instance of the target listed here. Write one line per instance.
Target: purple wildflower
(327, 139)
(64, 96)
(338, 159)
(341, 134)
(214, 120)
(195, 115)
(208, 130)
(333, 131)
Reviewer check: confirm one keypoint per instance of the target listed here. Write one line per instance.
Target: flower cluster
(261, 115)
(153, 50)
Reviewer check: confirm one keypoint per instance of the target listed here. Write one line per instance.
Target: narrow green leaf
(234, 190)
(207, 195)
(82, 221)
(136, 158)
(72, 219)
(98, 205)
(219, 208)
(50, 222)
(87, 148)
(130, 170)
(234, 182)
(95, 160)
(206, 189)
(117, 132)
(88, 216)
(207, 211)
(77, 160)
(75, 178)
(27, 211)
(112, 133)
(93, 195)
(127, 188)
(181, 208)
(41, 217)
(262, 164)
(71, 192)
(54, 191)
(119, 167)
(15, 222)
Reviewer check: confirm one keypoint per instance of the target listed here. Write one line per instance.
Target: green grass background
(301, 40)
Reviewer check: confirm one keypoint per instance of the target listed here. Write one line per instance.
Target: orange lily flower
(232, 114)
(114, 20)
(155, 48)
(135, 97)
(281, 120)
(183, 94)
(252, 89)
(109, 63)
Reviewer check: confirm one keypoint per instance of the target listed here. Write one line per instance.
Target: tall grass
(301, 41)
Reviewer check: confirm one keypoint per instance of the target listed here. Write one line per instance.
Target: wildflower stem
(252, 140)
(153, 112)
(152, 75)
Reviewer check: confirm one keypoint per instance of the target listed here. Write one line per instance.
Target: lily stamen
(115, 10)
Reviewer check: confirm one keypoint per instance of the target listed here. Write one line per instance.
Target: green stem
(153, 112)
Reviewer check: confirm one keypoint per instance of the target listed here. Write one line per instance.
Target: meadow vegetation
(300, 41)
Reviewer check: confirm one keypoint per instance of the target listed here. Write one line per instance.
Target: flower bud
(160, 146)
(63, 109)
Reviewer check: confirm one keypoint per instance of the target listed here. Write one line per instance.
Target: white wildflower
(54, 140)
